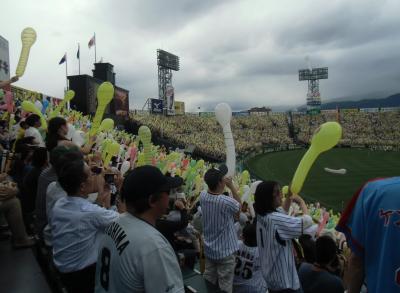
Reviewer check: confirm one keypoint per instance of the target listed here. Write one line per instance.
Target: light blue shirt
(220, 238)
(371, 223)
(77, 227)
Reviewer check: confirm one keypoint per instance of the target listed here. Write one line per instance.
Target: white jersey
(38, 139)
(248, 276)
(135, 257)
(220, 237)
(274, 234)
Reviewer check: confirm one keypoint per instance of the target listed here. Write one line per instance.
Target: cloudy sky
(246, 53)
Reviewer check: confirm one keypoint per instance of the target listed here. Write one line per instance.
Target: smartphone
(109, 178)
(96, 170)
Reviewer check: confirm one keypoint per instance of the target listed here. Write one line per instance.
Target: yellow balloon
(245, 177)
(107, 124)
(145, 136)
(325, 138)
(69, 95)
(285, 190)
(28, 38)
(105, 94)
(113, 150)
(28, 106)
(140, 160)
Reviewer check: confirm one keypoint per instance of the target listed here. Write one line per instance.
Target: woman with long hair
(275, 231)
(56, 136)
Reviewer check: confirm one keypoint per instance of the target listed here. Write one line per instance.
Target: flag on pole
(78, 53)
(63, 59)
(92, 41)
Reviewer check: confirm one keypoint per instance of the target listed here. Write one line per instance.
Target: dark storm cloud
(246, 53)
(158, 17)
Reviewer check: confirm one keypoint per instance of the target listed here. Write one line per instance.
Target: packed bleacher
(114, 213)
(253, 132)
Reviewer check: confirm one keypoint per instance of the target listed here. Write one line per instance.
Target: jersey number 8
(105, 268)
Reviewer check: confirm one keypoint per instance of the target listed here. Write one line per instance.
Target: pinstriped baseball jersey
(274, 234)
(220, 239)
(248, 276)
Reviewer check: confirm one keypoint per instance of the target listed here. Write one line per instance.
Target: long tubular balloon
(324, 138)
(223, 113)
(28, 38)
(105, 94)
(28, 106)
(69, 95)
(145, 136)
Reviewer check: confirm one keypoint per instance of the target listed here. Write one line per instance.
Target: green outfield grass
(331, 190)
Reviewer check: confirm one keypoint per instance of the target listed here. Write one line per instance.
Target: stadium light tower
(313, 75)
(166, 63)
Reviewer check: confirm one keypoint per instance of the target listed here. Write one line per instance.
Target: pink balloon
(9, 102)
(133, 153)
(321, 226)
(185, 162)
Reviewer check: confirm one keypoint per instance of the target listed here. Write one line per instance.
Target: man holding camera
(78, 225)
(220, 238)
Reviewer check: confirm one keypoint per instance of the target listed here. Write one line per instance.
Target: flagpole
(79, 58)
(66, 70)
(95, 45)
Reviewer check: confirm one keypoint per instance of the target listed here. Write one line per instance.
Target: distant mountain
(391, 101)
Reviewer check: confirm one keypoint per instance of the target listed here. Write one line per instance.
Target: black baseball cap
(215, 174)
(146, 180)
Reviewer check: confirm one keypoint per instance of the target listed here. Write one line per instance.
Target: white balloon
(253, 186)
(38, 105)
(223, 113)
(246, 193)
(334, 171)
(78, 138)
(125, 167)
(71, 131)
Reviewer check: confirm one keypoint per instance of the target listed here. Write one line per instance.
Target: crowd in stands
(367, 129)
(136, 230)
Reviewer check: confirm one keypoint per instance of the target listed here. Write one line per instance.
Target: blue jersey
(371, 224)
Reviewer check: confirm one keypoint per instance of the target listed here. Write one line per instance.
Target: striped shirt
(248, 276)
(220, 239)
(274, 234)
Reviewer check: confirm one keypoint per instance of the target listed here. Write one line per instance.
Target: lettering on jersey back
(118, 235)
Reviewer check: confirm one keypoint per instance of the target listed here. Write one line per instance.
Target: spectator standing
(218, 216)
(275, 232)
(34, 123)
(134, 256)
(248, 275)
(77, 225)
(371, 223)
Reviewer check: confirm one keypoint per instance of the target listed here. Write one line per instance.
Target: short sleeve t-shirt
(319, 281)
(248, 276)
(371, 223)
(220, 237)
(135, 257)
